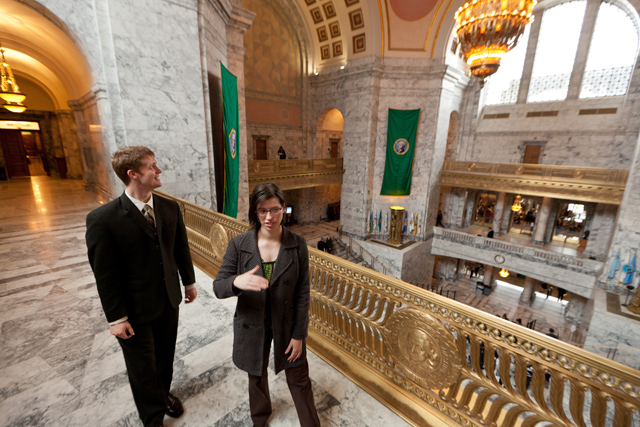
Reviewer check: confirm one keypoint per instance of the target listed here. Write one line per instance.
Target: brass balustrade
(291, 174)
(577, 183)
(433, 360)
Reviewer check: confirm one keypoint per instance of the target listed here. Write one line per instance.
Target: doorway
(334, 148)
(485, 205)
(261, 149)
(570, 223)
(23, 153)
(532, 154)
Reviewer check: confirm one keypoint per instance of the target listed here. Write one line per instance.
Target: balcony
(292, 174)
(575, 274)
(563, 182)
(435, 361)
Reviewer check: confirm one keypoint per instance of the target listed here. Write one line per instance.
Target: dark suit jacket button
(244, 325)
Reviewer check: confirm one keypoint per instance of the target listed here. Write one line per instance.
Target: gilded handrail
(436, 361)
(597, 185)
(545, 172)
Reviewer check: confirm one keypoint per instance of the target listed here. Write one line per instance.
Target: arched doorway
(330, 126)
(54, 135)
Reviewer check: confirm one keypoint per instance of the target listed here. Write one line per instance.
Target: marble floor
(547, 312)
(59, 366)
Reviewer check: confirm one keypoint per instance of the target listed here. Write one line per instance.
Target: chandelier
(517, 204)
(487, 29)
(9, 91)
(504, 273)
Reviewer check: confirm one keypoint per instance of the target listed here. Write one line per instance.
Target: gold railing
(578, 183)
(433, 360)
(296, 173)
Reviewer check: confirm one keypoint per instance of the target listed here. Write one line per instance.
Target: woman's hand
(249, 281)
(295, 347)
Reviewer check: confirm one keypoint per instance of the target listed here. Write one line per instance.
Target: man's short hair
(129, 158)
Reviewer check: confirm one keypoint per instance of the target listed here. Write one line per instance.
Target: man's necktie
(146, 211)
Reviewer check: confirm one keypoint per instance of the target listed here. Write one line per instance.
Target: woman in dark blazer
(267, 269)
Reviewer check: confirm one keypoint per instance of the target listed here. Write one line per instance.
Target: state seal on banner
(232, 143)
(401, 146)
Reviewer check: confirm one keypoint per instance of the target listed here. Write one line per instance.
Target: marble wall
(608, 329)
(145, 60)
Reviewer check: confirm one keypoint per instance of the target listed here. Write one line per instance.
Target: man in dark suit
(137, 246)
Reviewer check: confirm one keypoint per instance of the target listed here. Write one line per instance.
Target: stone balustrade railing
(576, 183)
(575, 274)
(436, 361)
(290, 174)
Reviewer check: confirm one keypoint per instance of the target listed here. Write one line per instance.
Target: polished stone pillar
(528, 293)
(239, 22)
(542, 219)
(498, 212)
(469, 208)
(488, 275)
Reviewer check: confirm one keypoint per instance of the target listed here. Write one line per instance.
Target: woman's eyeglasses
(272, 211)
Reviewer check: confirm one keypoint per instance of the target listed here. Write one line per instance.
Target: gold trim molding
(296, 173)
(565, 182)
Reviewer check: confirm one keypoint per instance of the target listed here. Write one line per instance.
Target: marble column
(488, 275)
(239, 22)
(498, 211)
(528, 293)
(575, 308)
(601, 228)
(542, 219)
(507, 214)
(469, 207)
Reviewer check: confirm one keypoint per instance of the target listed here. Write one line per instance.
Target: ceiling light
(9, 90)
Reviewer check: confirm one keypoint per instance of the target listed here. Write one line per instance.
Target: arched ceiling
(345, 29)
(41, 51)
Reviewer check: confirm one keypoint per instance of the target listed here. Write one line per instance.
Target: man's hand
(122, 330)
(190, 295)
(249, 281)
(295, 347)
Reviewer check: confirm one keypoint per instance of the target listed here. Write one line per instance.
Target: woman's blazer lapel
(286, 255)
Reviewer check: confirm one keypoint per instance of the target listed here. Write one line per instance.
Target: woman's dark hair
(261, 193)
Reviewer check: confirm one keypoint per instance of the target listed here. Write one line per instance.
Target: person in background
(137, 245)
(439, 220)
(281, 153)
(267, 270)
(552, 333)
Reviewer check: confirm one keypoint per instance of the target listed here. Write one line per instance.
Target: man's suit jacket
(290, 293)
(137, 272)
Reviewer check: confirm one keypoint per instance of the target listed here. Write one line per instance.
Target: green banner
(401, 145)
(231, 140)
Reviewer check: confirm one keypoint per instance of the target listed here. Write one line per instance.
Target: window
(556, 51)
(503, 86)
(612, 54)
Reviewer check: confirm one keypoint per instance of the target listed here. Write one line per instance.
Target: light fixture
(15, 107)
(517, 204)
(9, 91)
(487, 29)
(504, 273)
